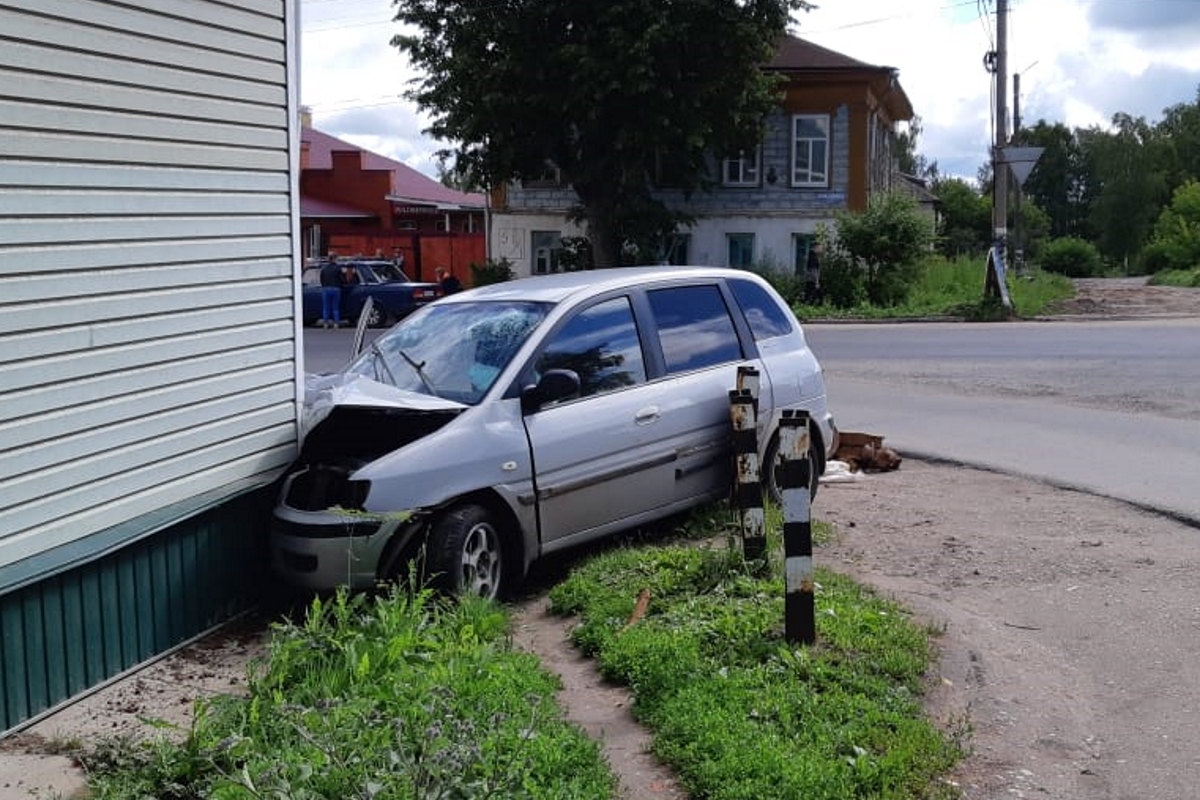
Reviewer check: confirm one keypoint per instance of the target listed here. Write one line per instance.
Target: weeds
(406, 695)
(401, 695)
(944, 288)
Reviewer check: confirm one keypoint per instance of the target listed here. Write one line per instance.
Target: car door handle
(645, 416)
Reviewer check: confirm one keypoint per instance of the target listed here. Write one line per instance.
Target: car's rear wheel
(770, 470)
(465, 555)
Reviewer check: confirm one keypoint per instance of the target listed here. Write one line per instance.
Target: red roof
(407, 183)
(316, 207)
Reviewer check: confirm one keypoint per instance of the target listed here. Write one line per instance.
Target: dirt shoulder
(1068, 626)
(1126, 298)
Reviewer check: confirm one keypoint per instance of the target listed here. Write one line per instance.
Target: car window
(694, 327)
(601, 344)
(766, 317)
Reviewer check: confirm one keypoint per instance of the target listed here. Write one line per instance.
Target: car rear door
(699, 349)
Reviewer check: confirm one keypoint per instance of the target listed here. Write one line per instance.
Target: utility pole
(999, 168)
(1018, 219)
(995, 285)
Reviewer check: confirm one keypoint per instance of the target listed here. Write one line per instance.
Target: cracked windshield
(453, 351)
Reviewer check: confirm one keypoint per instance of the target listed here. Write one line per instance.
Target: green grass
(396, 696)
(1178, 277)
(403, 695)
(740, 712)
(955, 289)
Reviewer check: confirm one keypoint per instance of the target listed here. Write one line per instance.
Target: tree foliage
(1127, 165)
(965, 218)
(614, 95)
(1176, 242)
(887, 241)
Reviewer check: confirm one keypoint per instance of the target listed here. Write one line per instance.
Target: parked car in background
(512, 420)
(395, 296)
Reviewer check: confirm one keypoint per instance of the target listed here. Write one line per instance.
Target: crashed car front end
(322, 534)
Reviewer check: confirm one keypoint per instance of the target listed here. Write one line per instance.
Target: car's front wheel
(465, 555)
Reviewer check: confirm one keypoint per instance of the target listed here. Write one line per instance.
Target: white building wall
(148, 218)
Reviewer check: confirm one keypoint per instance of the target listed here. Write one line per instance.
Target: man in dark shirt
(332, 280)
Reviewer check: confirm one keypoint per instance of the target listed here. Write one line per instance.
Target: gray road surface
(1112, 408)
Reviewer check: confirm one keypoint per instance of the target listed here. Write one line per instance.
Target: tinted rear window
(766, 317)
(694, 327)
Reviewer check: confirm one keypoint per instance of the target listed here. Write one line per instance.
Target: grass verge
(403, 695)
(738, 711)
(947, 288)
(1178, 277)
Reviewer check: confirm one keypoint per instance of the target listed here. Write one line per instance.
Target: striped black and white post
(747, 489)
(799, 607)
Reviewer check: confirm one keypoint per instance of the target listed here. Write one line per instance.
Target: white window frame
(815, 150)
(741, 171)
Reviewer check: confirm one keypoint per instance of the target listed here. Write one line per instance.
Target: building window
(802, 245)
(740, 247)
(741, 171)
(810, 150)
(546, 246)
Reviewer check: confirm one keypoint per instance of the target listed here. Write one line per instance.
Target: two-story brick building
(827, 148)
(354, 201)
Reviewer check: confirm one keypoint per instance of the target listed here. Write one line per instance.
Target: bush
(1072, 257)
(843, 283)
(492, 271)
(1154, 258)
(889, 239)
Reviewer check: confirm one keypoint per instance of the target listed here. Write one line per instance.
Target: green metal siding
(71, 631)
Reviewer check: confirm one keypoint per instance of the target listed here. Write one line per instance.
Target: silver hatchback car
(503, 423)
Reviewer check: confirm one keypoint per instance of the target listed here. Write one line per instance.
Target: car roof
(559, 286)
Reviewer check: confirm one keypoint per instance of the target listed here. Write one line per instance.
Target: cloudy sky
(1081, 61)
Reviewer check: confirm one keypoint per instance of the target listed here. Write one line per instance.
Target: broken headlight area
(320, 487)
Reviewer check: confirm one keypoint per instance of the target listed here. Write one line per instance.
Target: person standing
(812, 275)
(447, 281)
(332, 281)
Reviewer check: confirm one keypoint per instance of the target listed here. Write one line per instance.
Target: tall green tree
(908, 159)
(1179, 130)
(1129, 166)
(1056, 184)
(613, 95)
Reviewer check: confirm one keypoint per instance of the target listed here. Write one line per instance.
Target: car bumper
(324, 550)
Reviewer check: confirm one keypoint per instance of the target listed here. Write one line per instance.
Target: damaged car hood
(356, 417)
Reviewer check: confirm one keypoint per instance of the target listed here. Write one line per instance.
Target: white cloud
(1081, 61)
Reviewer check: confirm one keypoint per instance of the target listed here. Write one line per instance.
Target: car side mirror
(555, 385)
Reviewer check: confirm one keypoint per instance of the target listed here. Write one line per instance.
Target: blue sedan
(394, 295)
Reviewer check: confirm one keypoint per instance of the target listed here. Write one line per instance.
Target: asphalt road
(1106, 407)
